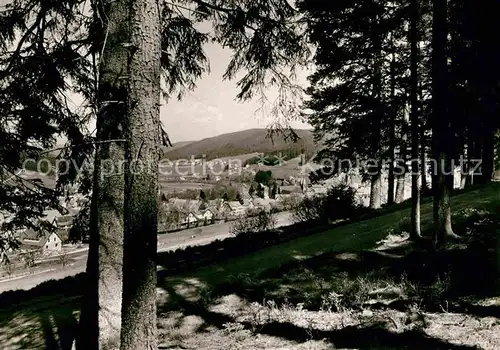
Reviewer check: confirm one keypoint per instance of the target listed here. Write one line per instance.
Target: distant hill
(241, 142)
(179, 144)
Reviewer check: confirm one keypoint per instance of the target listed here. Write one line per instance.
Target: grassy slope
(49, 322)
(354, 237)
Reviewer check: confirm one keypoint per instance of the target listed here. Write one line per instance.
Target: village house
(46, 243)
(234, 208)
(189, 220)
(204, 217)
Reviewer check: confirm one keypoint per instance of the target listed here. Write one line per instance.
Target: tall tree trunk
(376, 190)
(415, 188)
(142, 132)
(402, 168)
(464, 175)
(423, 142)
(441, 137)
(376, 177)
(101, 310)
(392, 133)
(423, 162)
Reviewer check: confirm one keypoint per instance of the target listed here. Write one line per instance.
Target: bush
(290, 203)
(337, 204)
(261, 222)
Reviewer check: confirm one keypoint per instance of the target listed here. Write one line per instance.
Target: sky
(211, 109)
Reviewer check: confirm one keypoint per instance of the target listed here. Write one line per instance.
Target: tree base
(448, 237)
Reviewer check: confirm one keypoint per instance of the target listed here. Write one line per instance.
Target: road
(169, 241)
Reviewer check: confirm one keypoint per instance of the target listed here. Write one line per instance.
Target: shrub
(263, 221)
(263, 177)
(309, 209)
(290, 202)
(338, 203)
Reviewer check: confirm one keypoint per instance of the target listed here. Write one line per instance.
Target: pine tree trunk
(423, 163)
(415, 188)
(376, 178)
(400, 188)
(392, 135)
(101, 310)
(391, 182)
(142, 132)
(376, 190)
(441, 138)
(423, 143)
(401, 177)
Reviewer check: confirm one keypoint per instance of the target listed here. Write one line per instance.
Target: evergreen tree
(355, 99)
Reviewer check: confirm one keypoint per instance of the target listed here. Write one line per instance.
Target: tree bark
(101, 310)
(142, 132)
(392, 134)
(376, 177)
(415, 188)
(376, 190)
(423, 143)
(401, 176)
(441, 138)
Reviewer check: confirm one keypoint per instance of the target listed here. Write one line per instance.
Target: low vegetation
(339, 203)
(263, 221)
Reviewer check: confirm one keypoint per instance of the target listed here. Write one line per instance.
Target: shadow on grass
(351, 337)
(44, 317)
(403, 275)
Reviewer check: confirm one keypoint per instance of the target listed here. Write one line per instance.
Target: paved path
(169, 241)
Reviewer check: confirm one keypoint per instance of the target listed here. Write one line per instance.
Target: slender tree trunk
(423, 162)
(376, 190)
(392, 134)
(423, 142)
(101, 311)
(464, 175)
(441, 137)
(415, 188)
(376, 178)
(142, 131)
(402, 168)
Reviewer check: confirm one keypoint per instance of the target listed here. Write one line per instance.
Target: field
(357, 286)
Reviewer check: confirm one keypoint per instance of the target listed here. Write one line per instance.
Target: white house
(189, 219)
(46, 243)
(207, 214)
